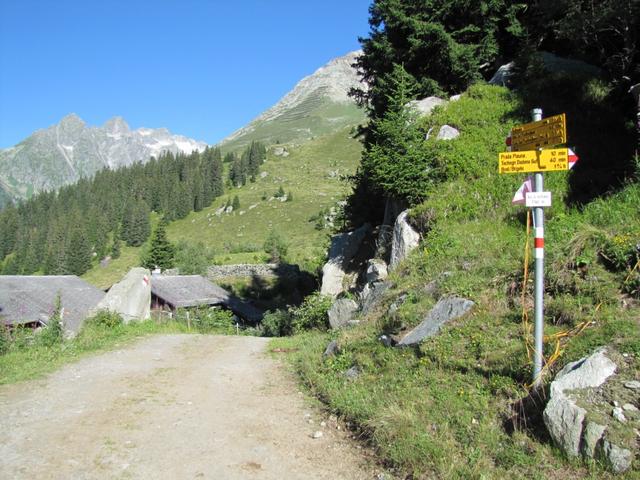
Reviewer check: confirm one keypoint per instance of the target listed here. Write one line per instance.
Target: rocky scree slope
(71, 150)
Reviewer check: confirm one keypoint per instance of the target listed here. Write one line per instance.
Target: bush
(5, 339)
(206, 320)
(105, 318)
(54, 331)
(312, 314)
(193, 258)
(277, 324)
(276, 247)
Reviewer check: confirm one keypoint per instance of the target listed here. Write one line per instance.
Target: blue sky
(200, 68)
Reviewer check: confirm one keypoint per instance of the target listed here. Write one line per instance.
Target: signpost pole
(538, 215)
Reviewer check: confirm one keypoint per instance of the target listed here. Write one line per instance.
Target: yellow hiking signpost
(543, 133)
(528, 155)
(528, 161)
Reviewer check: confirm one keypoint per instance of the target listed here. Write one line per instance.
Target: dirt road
(171, 407)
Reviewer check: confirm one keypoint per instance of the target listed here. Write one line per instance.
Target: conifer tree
(236, 203)
(161, 252)
(79, 252)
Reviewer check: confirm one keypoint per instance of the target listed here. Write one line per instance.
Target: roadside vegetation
(27, 354)
(458, 406)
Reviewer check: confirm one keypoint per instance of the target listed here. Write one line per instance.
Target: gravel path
(174, 407)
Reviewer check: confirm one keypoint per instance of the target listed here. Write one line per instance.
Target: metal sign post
(532, 151)
(538, 220)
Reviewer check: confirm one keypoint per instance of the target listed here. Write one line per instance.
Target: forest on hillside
(65, 232)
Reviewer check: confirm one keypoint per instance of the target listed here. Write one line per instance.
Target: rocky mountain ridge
(318, 104)
(70, 150)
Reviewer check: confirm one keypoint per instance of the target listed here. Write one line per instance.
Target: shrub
(277, 323)
(276, 247)
(5, 339)
(312, 314)
(105, 318)
(54, 331)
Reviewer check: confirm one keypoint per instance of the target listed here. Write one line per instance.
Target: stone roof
(32, 298)
(181, 291)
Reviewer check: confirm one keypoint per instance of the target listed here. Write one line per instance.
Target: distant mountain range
(319, 104)
(64, 153)
(70, 150)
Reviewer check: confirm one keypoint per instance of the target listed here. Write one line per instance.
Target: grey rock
(341, 312)
(444, 311)
(386, 340)
(105, 262)
(130, 297)
(426, 105)
(588, 372)
(405, 240)
(592, 437)
(447, 132)
(331, 350)
(503, 74)
(371, 296)
(555, 64)
(376, 270)
(618, 414)
(393, 308)
(632, 385)
(352, 373)
(619, 459)
(564, 420)
(342, 250)
(455, 98)
(317, 435)
(628, 407)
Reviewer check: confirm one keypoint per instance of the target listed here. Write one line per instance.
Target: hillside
(311, 173)
(316, 106)
(70, 150)
(460, 404)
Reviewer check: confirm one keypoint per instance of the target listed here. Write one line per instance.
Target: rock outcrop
(342, 312)
(343, 248)
(579, 421)
(444, 311)
(405, 239)
(426, 105)
(130, 297)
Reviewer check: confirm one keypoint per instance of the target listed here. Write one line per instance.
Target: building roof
(182, 291)
(32, 298)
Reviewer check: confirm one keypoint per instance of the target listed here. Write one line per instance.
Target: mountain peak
(72, 120)
(116, 125)
(318, 104)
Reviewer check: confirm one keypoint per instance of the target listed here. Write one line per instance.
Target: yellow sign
(543, 133)
(533, 161)
(554, 160)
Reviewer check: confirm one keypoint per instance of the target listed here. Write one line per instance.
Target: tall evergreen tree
(79, 252)
(161, 252)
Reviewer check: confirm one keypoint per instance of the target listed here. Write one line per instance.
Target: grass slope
(311, 173)
(448, 408)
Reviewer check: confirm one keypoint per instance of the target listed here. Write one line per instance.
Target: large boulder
(376, 270)
(447, 132)
(405, 239)
(426, 105)
(372, 295)
(343, 248)
(130, 297)
(341, 313)
(444, 311)
(503, 75)
(575, 401)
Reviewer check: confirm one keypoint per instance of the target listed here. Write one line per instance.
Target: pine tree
(161, 252)
(236, 203)
(79, 252)
(115, 247)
